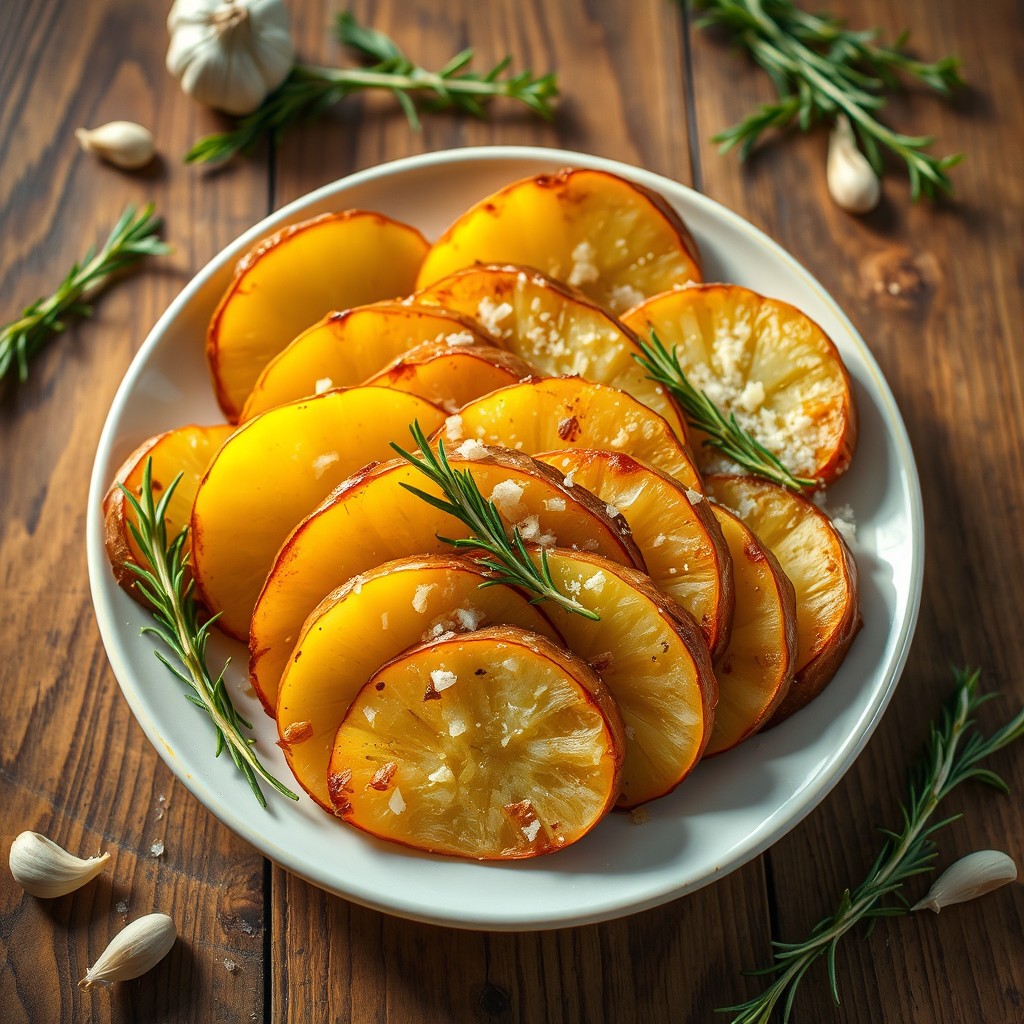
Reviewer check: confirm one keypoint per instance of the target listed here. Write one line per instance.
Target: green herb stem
(724, 434)
(509, 559)
(953, 755)
(309, 90)
(133, 236)
(820, 69)
(166, 584)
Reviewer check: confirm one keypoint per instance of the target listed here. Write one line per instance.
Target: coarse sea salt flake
(612, 510)
(419, 599)
(596, 583)
(322, 385)
(456, 727)
(531, 830)
(453, 428)
(471, 449)
(442, 679)
(460, 338)
(442, 774)
(694, 497)
(396, 804)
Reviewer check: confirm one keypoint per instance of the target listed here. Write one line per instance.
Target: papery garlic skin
(228, 54)
(123, 143)
(852, 181)
(135, 949)
(970, 877)
(44, 869)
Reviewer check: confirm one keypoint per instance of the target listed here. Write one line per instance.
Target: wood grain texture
(936, 293)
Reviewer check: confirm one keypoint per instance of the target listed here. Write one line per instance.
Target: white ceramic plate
(732, 807)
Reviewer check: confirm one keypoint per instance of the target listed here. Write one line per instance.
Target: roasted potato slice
(184, 450)
(450, 376)
(756, 670)
(817, 561)
(651, 656)
(371, 619)
(675, 530)
(494, 745)
(617, 242)
(554, 328)
(767, 363)
(291, 279)
(568, 412)
(274, 470)
(345, 349)
(372, 519)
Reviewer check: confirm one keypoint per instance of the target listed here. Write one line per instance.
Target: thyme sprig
(723, 432)
(133, 236)
(167, 586)
(508, 557)
(954, 754)
(309, 91)
(820, 69)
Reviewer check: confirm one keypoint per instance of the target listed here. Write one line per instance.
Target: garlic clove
(970, 877)
(42, 868)
(122, 143)
(852, 181)
(135, 949)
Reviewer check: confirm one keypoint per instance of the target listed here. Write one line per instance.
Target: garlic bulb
(852, 182)
(44, 869)
(132, 951)
(970, 877)
(124, 143)
(229, 54)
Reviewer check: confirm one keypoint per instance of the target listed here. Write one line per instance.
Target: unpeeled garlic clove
(132, 951)
(123, 143)
(852, 181)
(970, 877)
(42, 868)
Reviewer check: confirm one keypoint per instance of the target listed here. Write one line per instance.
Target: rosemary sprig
(953, 754)
(168, 588)
(308, 91)
(509, 558)
(821, 69)
(133, 236)
(723, 433)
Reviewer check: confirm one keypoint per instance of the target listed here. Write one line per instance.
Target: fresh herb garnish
(133, 237)
(723, 433)
(953, 754)
(167, 585)
(308, 91)
(820, 69)
(509, 558)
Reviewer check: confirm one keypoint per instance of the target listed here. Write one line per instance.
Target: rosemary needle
(134, 236)
(953, 754)
(168, 588)
(308, 91)
(820, 69)
(723, 433)
(508, 558)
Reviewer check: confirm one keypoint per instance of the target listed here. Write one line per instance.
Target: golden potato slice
(344, 349)
(274, 470)
(814, 556)
(615, 241)
(291, 279)
(372, 519)
(367, 622)
(568, 412)
(553, 328)
(650, 655)
(185, 450)
(450, 376)
(675, 530)
(768, 363)
(494, 745)
(756, 670)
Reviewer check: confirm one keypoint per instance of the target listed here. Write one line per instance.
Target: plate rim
(769, 831)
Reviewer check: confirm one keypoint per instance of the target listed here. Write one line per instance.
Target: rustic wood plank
(73, 763)
(935, 292)
(621, 70)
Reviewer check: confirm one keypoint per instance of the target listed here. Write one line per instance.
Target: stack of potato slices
(419, 696)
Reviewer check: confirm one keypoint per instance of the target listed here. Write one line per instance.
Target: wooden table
(936, 292)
